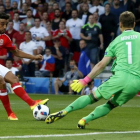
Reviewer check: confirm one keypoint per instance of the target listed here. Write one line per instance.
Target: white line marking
(68, 135)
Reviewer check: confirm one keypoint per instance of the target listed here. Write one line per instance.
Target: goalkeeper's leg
(79, 103)
(83, 101)
(99, 111)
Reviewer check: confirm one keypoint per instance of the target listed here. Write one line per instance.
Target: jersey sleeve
(83, 30)
(15, 34)
(35, 46)
(45, 32)
(8, 43)
(69, 34)
(110, 51)
(55, 33)
(20, 46)
(4, 51)
(67, 23)
(99, 31)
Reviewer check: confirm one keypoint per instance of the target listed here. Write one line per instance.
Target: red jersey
(50, 42)
(17, 64)
(11, 34)
(51, 16)
(19, 38)
(2, 52)
(5, 42)
(63, 40)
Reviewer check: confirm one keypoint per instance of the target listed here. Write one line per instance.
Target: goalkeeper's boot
(81, 124)
(12, 117)
(41, 102)
(55, 116)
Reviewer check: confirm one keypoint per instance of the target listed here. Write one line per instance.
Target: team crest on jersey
(95, 29)
(1, 42)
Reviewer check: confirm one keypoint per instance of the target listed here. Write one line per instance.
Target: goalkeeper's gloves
(77, 85)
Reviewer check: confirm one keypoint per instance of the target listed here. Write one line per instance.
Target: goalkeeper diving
(122, 86)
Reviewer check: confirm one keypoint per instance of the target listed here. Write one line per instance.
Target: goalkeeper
(123, 84)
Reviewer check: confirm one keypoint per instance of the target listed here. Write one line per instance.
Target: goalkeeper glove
(77, 85)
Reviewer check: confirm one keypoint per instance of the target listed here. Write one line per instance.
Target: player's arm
(22, 54)
(3, 57)
(101, 41)
(77, 85)
(14, 40)
(99, 67)
(63, 80)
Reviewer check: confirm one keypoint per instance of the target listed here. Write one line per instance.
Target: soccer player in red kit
(7, 76)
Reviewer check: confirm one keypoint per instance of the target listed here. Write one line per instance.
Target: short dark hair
(57, 10)
(48, 49)
(29, 10)
(75, 10)
(127, 19)
(83, 40)
(37, 18)
(16, 13)
(68, 3)
(2, 5)
(4, 16)
(21, 23)
(9, 59)
(10, 21)
(27, 32)
(72, 60)
(107, 4)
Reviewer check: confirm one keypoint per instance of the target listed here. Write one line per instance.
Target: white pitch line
(68, 135)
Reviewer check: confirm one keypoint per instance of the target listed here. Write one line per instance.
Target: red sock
(20, 92)
(5, 101)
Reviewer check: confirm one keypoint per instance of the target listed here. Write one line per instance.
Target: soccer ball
(40, 112)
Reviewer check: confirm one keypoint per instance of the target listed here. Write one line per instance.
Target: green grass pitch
(125, 118)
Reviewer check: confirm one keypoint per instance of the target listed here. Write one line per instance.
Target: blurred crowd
(62, 30)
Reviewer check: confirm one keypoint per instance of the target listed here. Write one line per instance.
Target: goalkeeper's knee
(93, 99)
(112, 106)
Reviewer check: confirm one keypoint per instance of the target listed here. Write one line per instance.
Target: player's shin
(5, 101)
(20, 92)
(99, 111)
(81, 102)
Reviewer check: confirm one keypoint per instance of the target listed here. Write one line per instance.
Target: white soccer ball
(40, 112)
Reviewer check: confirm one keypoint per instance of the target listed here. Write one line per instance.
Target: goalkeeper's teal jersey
(126, 49)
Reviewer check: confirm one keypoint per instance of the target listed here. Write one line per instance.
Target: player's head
(82, 44)
(3, 22)
(72, 64)
(28, 36)
(9, 63)
(127, 20)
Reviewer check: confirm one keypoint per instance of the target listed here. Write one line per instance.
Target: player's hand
(77, 85)
(37, 38)
(88, 38)
(101, 46)
(39, 57)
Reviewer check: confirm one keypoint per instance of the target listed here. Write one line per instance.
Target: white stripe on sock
(16, 87)
(3, 94)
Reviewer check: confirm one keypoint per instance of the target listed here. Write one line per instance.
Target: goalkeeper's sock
(99, 111)
(80, 103)
(5, 101)
(20, 92)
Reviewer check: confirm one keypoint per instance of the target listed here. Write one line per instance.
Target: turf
(125, 118)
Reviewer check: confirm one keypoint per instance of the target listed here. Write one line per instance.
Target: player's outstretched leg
(99, 111)
(20, 92)
(79, 103)
(5, 100)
